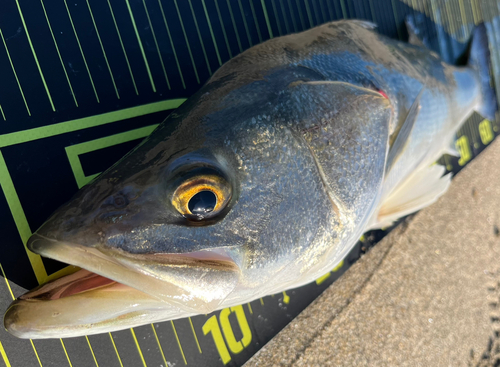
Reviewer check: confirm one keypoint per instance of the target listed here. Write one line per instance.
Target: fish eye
(202, 196)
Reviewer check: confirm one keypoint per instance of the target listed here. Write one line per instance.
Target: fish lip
(129, 269)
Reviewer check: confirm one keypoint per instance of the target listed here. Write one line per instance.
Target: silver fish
(261, 182)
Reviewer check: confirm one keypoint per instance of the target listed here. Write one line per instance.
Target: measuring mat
(83, 81)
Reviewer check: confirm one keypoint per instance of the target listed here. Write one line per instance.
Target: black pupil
(202, 203)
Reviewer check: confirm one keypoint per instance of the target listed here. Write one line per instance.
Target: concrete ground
(427, 295)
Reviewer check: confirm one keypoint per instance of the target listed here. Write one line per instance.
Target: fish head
(224, 203)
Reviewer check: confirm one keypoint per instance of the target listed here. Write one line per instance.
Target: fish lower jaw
(114, 291)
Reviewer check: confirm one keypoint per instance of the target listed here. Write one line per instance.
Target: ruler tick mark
(59, 53)
(194, 333)
(65, 352)
(159, 345)
(34, 56)
(123, 48)
(178, 342)
(138, 347)
(81, 51)
(102, 49)
(15, 74)
(141, 47)
(116, 350)
(187, 42)
(172, 45)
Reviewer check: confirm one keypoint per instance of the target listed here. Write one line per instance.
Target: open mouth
(115, 290)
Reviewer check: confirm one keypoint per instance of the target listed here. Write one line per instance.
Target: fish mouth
(115, 290)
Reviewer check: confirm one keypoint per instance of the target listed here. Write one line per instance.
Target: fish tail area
(480, 60)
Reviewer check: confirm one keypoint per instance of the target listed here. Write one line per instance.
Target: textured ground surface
(427, 295)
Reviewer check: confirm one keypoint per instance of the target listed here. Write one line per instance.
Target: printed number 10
(212, 326)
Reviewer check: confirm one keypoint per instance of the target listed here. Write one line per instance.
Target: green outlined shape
(87, 122)
(19, 217)
(24, 136)
(74, 151)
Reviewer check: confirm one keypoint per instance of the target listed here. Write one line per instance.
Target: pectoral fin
(401, 141)
(419, 190)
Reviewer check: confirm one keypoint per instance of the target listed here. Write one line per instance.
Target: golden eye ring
(186, 191)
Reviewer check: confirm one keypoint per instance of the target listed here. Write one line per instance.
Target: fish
(260, 182)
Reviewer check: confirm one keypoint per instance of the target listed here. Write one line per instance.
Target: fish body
(262, 181)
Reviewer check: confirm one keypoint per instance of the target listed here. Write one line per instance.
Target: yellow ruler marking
(172, 44)
(315, 9)
(138, 347)
(159, 345)
(58, 53)
(292, 15)
(66, 352)
(116, 350)
(255, 19)
(223, 29)
(123, 47)
(156, 44)
(187, 42)
(300, 15)
(374, 19)
(91, 351)
(199, 37)
(15, 74)
(275, 11)
(20, 219)
(245, 23)
(282, 7)
(141, 47)
(331, 11)
(81, 51)
(262, 302)
(234, 25)
(323, 11)
(3, 115)
(211, 31)
(7, 282)
(102, 49)
(36, 353)
(342, 6)
(178, 342)
(395, 18)
(13, 298)
(34, 56)
(250, 308)
(4, 355)
(309, 15)
(194, 333)
(476, 12)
